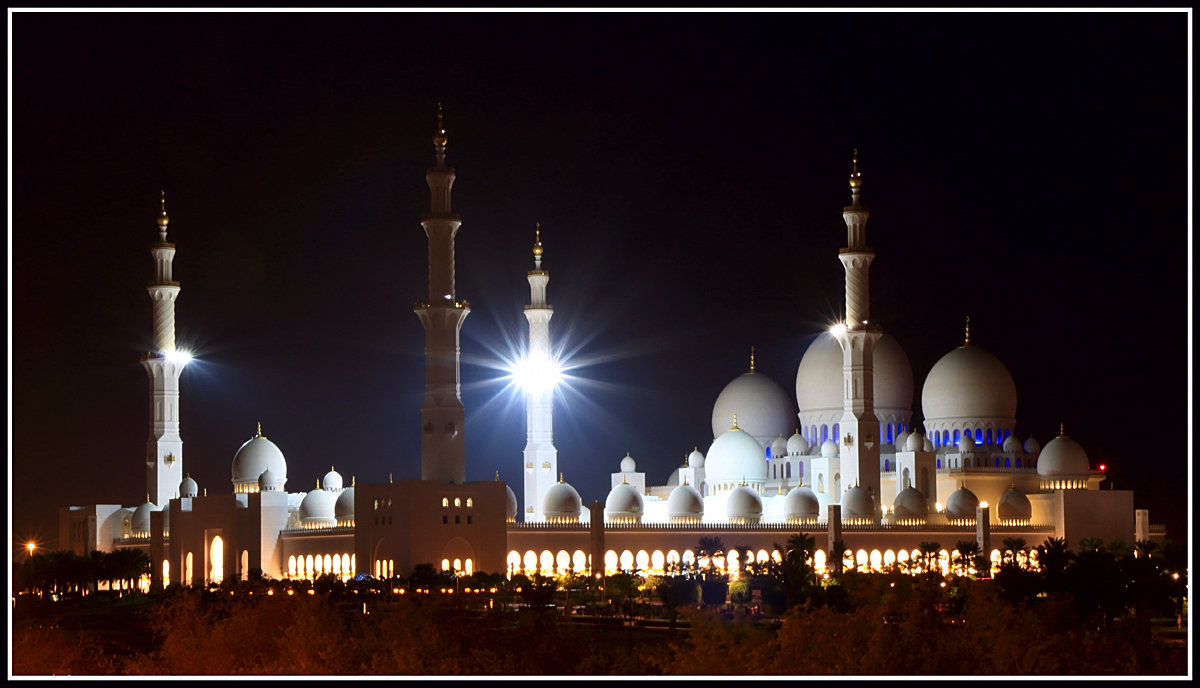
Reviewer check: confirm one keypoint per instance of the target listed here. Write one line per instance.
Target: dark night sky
(689, 171)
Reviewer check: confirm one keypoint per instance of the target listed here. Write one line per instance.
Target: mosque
(846, 464)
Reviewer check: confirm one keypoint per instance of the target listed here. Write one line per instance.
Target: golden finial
(560, 478)
(967, 337)
(439, 139)
(735, 427)
(351, 481)
(162, 218)
(497, 476)
(148, 498)
(330, 468)
(855, 175)
(743, 483)
(1061, 432)
(623, 481)
(389, 476)
(752, 359)
(685, 480)
(206, 492)
(537, 240)
(259, 433)
(318, 483)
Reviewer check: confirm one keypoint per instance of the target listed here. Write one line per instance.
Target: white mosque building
(846, 463)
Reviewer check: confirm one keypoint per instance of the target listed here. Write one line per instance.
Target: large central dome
(969, 388)
(763, 409)
(819, 382)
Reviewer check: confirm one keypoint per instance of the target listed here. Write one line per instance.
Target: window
(445, 502)
(445, 520)
(468, 519)
(457, 502)
(456, 519)
(470, 502)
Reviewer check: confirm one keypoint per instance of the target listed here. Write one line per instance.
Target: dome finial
(163, 220)
(497, 476)
(537, 245)
(735, 427)
(318, 483)
(259, 433)
(752, 358)
(560, 477)
(439, 138)
(855, 175)
(148, 498)
(1061, 432)
(389, 477)
(967, 335)
(351, 481)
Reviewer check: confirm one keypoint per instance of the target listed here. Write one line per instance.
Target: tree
(709, 547)
(929, 556)
(1012, 547)
(967, 551)
(837, 553)
(1053, 557)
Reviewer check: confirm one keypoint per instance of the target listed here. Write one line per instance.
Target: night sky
(689, 172)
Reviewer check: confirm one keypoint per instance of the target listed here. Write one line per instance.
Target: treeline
(63, 571)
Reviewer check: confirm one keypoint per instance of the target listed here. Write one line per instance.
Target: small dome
(962, 503)
(743, 505)
(628, 465)
(332, 481)
(510, 504)
(256, 455)
(1032, 446)
(735, 456)
(915, 442)
(317, 509)
(561, 503)
(343, 508)
(967, 443)
(797, 445)
(969, 384)
(188, 487)
(268, 481)
(695, 459)
(139, 523)
(624, 503)
(778, 447)
(685, 504)
(763, 409)
(800, 503)
(1014, 506)
(858, 503)
(829, 449)
(901, 440)
(1063, 456)
(910, 503)
(929, 445)
(1012, 444)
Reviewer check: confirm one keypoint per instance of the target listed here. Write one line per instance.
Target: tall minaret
(443, 450)
(541, 458)
(859, 451)
(164, 448)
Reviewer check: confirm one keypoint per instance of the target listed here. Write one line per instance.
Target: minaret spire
(442, 415)
(164, 364)
(541, 457)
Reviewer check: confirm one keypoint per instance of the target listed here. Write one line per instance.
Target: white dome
(628, 465)
(317, 509)
(561, 503)
(910, 503)
(188, 487)
(255, 456)
(763, 409)
(343, 508)
(624, 503)
(858, 503)
(685, 504)
(778, 447)
(1063, 456)
(510, 504)
(332, 481)
(966, 443)
(819, 381)
(1012, 444)
(829, 449)
(743, 505)
(915, 442)
(928, 445)
(1031, 446)
(1014, 506)
(796, 444)
(962, 503)
(268, 481)
(901, 440)
(967, 385)
(801, 502)
(735, 456)
(139, 522)
(695, 459)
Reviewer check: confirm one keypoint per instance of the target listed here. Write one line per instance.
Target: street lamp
(30, 546)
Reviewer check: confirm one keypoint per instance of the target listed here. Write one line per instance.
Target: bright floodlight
(536, 374)
(178, 356)
(838, 329)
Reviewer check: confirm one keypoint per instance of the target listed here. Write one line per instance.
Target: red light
(1102, 467)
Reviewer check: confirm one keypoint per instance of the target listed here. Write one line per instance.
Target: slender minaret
(164, 448)
(541, 458)
(443, 451)
(859, 451)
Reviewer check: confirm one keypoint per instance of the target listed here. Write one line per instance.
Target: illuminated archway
(216, 560)
(187, 569)
(514, 562)
(563, 561)
(626, 560)
(579, 561)
(530, 562)
(642, 560)
(245, 565)
(547, 562)
(610, 562)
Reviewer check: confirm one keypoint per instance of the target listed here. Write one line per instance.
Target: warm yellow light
(983, 505)
(838, 329)
(938, 506)
(291, 592)
(311, 591)
(31, 546)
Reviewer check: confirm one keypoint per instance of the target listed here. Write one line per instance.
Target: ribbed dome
(561, 503)
(743, 505)
(910, 503)
(188, 487)
(685, 504)
(858, 503)
(819, 381)
(1063, 456)
(255, 456)
(510, 504)
(778, 447)
(1012, 444)
(624, 503)
(962, 503)
(695, 459)
(735, 455)
(343, 508)
(1031, 445)
(763, 409)
(797, 445)
(801, 502)
(1014, 506)
(332, 481)
(628, 465)
(915, 442)
(829, 449)
(969, 384)
(317, 509)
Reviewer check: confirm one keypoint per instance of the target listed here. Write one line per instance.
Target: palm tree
(929, 555)
(1144, 548)
(709, 547)
(1012, 547)
(1053, 557)
(1091, 544)
(837, 552)
(967, 551)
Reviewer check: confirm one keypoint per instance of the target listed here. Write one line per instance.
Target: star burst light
(536, 373)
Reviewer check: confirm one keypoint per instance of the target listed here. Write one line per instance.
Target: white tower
(443, 450)
(541, 458)
(164, 447)
(859, 451)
